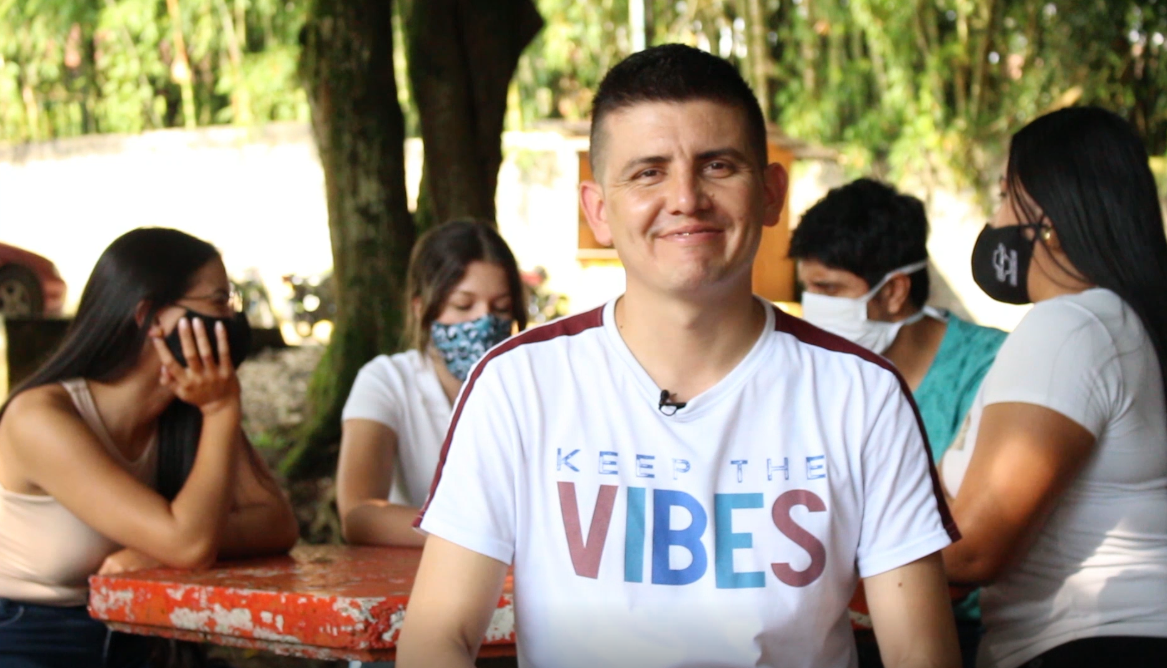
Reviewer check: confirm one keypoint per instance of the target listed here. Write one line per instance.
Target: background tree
(462, 55)
(347, 68)
(460, 80)
(919, 88)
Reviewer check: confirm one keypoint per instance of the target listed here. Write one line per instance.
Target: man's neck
(915, 348)
(686, 346)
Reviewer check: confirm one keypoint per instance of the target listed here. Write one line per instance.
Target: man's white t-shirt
(403, 393)
(731, 533)
(1098, 567)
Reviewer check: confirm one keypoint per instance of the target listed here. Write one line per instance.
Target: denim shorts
(45, 636)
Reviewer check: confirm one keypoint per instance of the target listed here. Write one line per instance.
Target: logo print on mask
(1005, 262)
(1000, 262)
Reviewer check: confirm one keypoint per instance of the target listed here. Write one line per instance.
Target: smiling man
(685, 476)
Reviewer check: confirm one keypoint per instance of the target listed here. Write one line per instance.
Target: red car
(30, 285)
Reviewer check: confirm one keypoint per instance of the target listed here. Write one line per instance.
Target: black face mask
(238, 336)
(1000, 262)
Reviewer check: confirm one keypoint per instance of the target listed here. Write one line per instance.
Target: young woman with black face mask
(1060, 480)
(120, 454)
(464, 295)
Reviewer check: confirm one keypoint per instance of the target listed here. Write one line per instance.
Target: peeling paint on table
(321, 602)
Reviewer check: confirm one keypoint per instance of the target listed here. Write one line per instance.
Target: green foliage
(900, 86)
(70, 67)
(917, 87)
(580, 41)
(943, 82)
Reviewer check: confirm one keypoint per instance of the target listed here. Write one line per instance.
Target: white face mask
(847, 316)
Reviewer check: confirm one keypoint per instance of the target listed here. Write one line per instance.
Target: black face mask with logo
(238, 337)
(1000, 262)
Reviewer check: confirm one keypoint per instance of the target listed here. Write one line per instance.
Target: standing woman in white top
(464, 295)
(125, 450)
(1061, 479)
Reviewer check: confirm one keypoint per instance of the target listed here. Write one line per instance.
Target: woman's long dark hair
(150, 265)
(1088, 171)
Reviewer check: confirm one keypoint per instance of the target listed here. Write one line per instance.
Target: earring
(1047, 233)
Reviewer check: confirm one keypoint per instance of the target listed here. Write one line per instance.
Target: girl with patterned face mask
(464, 296)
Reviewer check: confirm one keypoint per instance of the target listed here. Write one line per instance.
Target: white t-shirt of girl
(729, 533)
(403, 393)
(1098, 567)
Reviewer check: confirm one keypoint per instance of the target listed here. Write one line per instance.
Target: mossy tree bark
(347, 69)
(462, 54)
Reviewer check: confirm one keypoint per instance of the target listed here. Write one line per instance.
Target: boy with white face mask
(862, 260)
(848, 316)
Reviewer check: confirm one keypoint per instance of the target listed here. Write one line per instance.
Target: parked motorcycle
(313, 304)
(542, 304)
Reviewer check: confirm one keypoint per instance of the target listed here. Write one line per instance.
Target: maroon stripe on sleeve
(569, 326)
(811, 335)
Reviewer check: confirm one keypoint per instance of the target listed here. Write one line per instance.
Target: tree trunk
(180, 66)
(649, 23)
(809, 57)
(240, 98)
(927, 43)
(347, 69)
(990, 14)
(759, 56)
(462, 54)
(636, 24)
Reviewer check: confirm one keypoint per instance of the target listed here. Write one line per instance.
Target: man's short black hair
(868, 229)
(675, 73)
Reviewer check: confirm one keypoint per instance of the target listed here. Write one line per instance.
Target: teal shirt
(946, 394)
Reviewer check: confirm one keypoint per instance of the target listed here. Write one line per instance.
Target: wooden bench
(319, 602)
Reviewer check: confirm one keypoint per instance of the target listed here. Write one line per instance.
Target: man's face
(681, 196)
(819, 279)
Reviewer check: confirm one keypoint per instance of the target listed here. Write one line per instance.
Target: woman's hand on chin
(205, 382)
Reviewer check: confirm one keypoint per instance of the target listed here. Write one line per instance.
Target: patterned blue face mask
(461, 345)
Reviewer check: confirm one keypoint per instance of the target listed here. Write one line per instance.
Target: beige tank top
(46, 553)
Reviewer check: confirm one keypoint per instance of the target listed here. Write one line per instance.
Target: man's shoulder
(557, 334)
(971, 332)
(844, 356)
(967, 352)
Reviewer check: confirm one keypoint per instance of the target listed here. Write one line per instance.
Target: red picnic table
(319, 602)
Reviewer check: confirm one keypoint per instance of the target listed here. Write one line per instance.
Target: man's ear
(775, 181)
(591, 199)
(896, 294)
